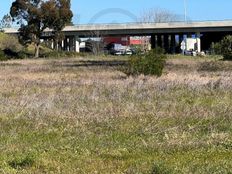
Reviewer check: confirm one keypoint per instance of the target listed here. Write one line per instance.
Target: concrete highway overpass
(162, 34)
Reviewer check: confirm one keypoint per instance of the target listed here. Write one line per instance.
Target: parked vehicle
(190, 53)
(128, 52)
(119, 49)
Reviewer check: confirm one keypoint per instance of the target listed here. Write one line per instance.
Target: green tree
(34, 16)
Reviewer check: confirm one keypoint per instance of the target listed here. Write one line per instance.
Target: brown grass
(66, 116)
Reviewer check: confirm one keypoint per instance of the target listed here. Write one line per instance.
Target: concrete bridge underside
(165, 35)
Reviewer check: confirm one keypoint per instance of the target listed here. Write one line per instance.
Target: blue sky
(116, 11)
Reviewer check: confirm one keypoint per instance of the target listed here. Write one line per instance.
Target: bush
(2, 56)
(9, 46)
(9, 42)
(151, 63)
(216, 48)
(224, 47)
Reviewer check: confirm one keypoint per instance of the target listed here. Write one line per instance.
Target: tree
(95, 43)
(6, 21)
(156, 15)
(34, 16)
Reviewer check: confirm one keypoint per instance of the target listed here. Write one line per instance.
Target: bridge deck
(145, 28)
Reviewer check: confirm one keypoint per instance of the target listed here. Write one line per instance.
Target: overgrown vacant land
(85, 116)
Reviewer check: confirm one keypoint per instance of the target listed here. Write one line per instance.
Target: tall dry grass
(78, 116)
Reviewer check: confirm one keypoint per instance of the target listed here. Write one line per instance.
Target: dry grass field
(85, 116)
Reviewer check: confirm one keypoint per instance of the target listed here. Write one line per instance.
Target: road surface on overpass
(145, 28)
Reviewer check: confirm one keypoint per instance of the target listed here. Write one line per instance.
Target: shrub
(137, 49)
(2, 56)
(151, 63)
(216, 48)
(23, 161)
(9, 42)
(226, 47)
(9, 46)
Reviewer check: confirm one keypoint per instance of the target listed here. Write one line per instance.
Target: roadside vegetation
(224, 47)
(10, 48)
(150, 63)
(82, 115)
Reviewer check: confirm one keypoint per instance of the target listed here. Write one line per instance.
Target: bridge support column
(198, 38)
(173, 44)
(166, 43)
(189, 35)
(52, 44)
(153, 41)
(62, 45)
(72, 43)
(77, 44)
(159, 41)
(66, 44)
(181, 38)
(56, 45)
(69, 43)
